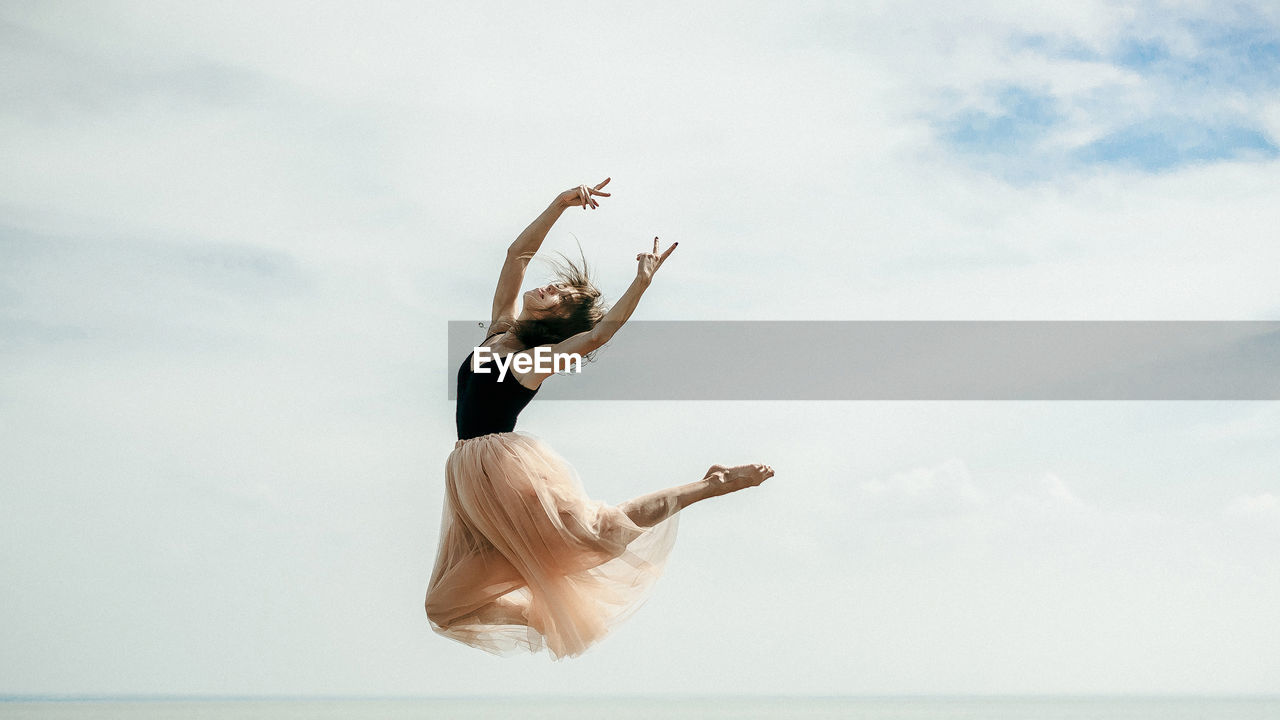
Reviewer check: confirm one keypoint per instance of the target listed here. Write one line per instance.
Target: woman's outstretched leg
(649, 510)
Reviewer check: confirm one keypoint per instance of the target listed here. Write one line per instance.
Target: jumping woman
(526, 559)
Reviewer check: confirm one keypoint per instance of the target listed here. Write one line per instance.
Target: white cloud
(1048, 491)
(943, 489)
(1263, 506)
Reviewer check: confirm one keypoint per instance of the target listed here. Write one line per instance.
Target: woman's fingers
(655, 244)
(585, 194)
(664, 255)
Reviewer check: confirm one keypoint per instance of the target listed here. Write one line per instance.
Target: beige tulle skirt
(526, 560)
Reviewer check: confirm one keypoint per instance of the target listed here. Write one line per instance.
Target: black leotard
(486, 405)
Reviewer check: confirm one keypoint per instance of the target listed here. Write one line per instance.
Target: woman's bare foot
(723, 480)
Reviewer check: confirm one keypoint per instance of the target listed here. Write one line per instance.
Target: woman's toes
(731, 479)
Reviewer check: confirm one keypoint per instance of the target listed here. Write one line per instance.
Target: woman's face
(546, 300)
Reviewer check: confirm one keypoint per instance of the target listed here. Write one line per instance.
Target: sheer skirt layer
(526, 560)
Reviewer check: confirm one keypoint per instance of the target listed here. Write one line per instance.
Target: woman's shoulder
(500, 325)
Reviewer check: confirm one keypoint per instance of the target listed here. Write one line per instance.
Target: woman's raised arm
(527, 244)
(646, 265)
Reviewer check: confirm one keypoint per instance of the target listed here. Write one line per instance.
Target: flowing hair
(580, 313)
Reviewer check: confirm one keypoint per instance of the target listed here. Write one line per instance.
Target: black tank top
(486, 405)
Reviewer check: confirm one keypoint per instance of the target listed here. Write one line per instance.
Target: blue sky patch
(1226, 59)
(1170, 143)
(1243, 54)
(1198, 99)
(1023, 117)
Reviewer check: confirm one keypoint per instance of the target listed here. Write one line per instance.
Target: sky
(232, 237)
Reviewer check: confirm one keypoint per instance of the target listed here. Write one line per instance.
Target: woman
(526, 559)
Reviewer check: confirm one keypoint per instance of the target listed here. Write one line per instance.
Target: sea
(799, 708)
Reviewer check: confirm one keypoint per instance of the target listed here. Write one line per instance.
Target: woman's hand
(650, 262)
(582, 196)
